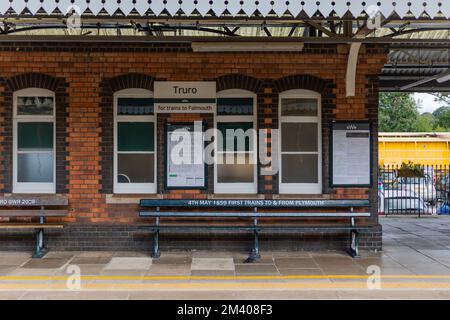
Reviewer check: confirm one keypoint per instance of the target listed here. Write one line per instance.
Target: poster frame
(331, 159)
(166, 146)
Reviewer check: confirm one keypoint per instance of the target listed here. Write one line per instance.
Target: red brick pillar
(83, 140)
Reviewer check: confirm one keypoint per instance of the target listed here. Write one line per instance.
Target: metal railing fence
(417, 189)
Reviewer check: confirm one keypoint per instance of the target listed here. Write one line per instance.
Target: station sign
(185, 97)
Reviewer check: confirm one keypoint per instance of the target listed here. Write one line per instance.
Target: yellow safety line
(186, 278)
(226, 286)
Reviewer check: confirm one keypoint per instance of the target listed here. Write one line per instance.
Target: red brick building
(69, 127)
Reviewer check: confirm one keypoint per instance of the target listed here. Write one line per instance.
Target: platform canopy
(415, 9)
(417, 31)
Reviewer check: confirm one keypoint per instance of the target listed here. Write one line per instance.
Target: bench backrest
(253, 203)
(36, 206)
(41, 201)
(257, 215)
(33, 213)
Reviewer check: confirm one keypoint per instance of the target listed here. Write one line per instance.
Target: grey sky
(426, 102)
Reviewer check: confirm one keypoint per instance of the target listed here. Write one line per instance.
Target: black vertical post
(155, 253)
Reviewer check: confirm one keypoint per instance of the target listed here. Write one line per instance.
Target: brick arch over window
(33, 80)
(238, 81)
(325, 88)
(307, 82)
(107, 89)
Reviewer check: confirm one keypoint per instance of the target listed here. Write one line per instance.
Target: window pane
(235, 172)
(299, 137)
(35, 167)
(135, 168)
(299, 168)
(35, 106)
(242, 139)
(135, 136)
(135, 106)
(35, 135)
(234, 106)
(299, 107)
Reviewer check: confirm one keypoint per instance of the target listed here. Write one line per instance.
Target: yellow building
(417, 147)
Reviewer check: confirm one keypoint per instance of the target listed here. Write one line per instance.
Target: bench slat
(33, 201)
(256, 215)
(251, 228)
(33, 213)
(31, 226)
(249, 203)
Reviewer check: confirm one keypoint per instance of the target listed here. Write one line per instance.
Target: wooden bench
(254, 216)
(37, 209)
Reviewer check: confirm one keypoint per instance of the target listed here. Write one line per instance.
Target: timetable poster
(351, 158)
(185, 167)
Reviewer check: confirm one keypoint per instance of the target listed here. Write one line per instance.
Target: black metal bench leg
(354, 244)
(254, 254)
(40, 249)
(155, 253)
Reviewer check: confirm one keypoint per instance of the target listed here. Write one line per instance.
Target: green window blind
(224, 126)
(136, 136)
(35, 135)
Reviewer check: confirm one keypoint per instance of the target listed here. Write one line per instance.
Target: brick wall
(86, 75)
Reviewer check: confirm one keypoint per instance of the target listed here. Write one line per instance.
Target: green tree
(443, 119)
(398, 112)
(425, 122)
(442, 114)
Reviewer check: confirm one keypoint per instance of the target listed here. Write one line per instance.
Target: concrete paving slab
(172, 270)
(212, 273)
(182, 295)
(290, 254)
(131, 254)
(295, 263)
(13, 259)
(59, 255)
(212, 264)
(392, 294)
(286, 295)
(300, 272)
(331, 270)
(85, 269)
(90, 260)
(130, 263)
(262, 260)
(49, 263)
(173, 260)
(256, 269)
(76, 295)
(33, 272)
(5, 270)
(95, 254)
(123, 273)
(212, 254)
(11, 295)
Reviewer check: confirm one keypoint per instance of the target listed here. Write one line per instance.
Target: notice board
(351, 160)
(185, 166)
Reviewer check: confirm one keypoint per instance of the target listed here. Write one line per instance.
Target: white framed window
(134, 142)
(34, 160)
(300, 145)
(235, 168)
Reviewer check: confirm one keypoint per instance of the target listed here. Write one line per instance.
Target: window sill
(129, 198)
(236, 196)
(302, 196)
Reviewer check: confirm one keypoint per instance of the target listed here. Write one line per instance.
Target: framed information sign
(185, 166)
(351, 159)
